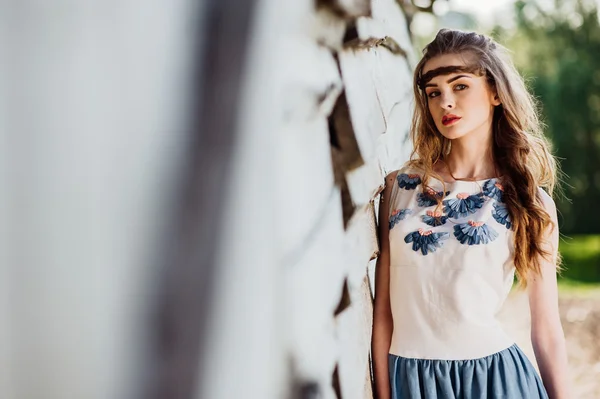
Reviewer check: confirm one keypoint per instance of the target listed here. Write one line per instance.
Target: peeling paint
(327, 258)
(386, 42)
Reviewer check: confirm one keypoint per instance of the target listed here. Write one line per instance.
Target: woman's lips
(450, 120)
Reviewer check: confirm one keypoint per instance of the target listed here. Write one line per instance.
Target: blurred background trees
(558, 50)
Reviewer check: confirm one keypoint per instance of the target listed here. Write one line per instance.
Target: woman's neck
(469, 159)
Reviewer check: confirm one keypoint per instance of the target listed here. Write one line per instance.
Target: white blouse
(451, 267)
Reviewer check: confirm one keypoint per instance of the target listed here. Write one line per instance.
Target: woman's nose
(448, 101)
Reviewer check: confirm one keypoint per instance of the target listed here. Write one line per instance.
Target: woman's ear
(495, 99)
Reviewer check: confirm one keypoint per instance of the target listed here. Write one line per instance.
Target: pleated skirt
(505, 374)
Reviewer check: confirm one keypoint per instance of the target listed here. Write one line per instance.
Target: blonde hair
(521, 152)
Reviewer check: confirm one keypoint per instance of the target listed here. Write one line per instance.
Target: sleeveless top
(451, 267)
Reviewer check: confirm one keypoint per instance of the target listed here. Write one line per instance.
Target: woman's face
(460, 102)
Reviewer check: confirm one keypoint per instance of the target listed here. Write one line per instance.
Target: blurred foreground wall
(153, 167)
(93, 115)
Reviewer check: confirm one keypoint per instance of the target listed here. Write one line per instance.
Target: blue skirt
(506, 374)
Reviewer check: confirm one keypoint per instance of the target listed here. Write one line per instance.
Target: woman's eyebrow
(449, 80)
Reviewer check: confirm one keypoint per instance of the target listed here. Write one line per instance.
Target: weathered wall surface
(345, 120)
(334, 86)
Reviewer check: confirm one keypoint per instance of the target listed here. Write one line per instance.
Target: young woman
(457, 222)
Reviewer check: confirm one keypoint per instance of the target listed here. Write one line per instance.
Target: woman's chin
(452, 134)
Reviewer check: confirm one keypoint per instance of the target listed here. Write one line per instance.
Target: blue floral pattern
(398, 215)
(430, 197)
(426, 241)
(463, 205)
(493, 189)
(434, 218)
(408, 181)
(501, 215)
(468, 212)
(474, 233)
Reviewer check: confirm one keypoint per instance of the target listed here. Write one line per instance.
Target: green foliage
(581, 257)
(559, 51)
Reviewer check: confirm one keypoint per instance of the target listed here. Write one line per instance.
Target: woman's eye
(460, 87)
(433, 94)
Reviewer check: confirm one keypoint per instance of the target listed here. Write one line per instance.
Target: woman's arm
(382, 314)
(546, 330)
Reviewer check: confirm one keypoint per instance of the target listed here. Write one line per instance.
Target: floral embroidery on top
(463, 205)
(426, 241)
(433, 218)
(493, 189)
(398, 215)
(474, 233)
(430, 197)
(408, 181)
(500, 213)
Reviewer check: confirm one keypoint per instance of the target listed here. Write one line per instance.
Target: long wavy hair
(520, 151)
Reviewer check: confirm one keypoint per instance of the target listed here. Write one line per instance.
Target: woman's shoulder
(409, 167)
(405, 171)
(547, 202)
